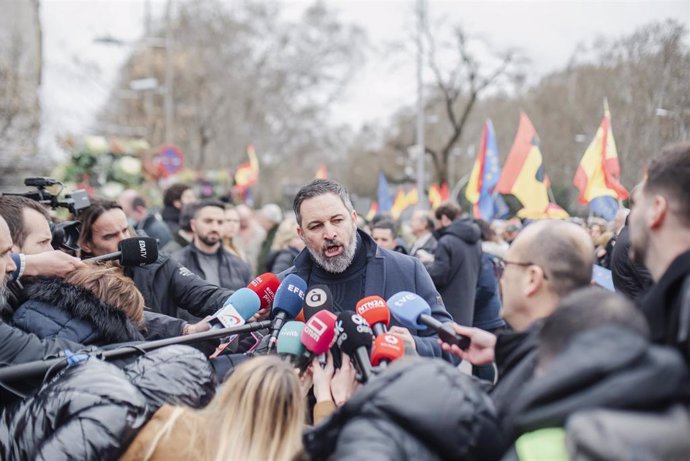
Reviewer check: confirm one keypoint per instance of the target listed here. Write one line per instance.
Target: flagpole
(421, 150)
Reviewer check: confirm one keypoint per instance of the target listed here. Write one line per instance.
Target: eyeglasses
(502, 263)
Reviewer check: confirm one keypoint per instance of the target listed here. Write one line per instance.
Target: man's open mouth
(332, 250)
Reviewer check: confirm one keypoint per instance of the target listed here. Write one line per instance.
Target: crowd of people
(438, 337)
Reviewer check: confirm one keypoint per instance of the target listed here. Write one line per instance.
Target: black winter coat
(55, 308)
(417, 410)
(662, 306)
(608, 367)
(456, 266)
(89, 412)
(166, 285)
(92, 411)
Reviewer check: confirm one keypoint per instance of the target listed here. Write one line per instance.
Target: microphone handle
(362, 359)
(108, 257)
(40, 367)
(276, 325)
(445, 332)
(379, 328)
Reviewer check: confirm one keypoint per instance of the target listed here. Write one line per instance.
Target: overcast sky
(79, 72)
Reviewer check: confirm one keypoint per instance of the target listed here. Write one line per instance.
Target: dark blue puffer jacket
(57, 309)
(92, 411)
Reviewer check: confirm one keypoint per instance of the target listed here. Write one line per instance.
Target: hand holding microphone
(414, 313)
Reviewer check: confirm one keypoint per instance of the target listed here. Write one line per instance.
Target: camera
(65, 235)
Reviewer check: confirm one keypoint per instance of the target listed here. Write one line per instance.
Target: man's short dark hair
(386, 224)
(585, 310)
(197, 206)
(138, 202)
(174, 193)
(89, 216)
(320, 187)
(667, 174)
(12, 209)
(448, 209)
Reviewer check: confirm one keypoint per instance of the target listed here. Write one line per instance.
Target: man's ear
(192, 224)
(534, 279)
(300, 233)
(354, 218)
(657, 212)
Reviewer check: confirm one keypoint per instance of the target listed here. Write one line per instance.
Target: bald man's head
(562, 249)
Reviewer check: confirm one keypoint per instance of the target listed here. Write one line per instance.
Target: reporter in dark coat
(449, 418)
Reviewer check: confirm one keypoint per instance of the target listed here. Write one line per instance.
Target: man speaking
(350, 263)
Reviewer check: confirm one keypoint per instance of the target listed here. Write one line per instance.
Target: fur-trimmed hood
(56, 308)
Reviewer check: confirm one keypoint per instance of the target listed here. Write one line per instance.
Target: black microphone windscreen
(138, 251)
(318, 298)
(352, 332)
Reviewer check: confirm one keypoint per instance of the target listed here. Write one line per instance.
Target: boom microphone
(318, 298)
(386, 348)
(286, 305)
(375, 311)
(134, 251)
(265, 286)
(238, 308)
(355, 338)
(319, 333)
(414, 313)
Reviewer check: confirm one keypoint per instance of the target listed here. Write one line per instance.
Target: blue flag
(604, 206)
(491, 173)
(385, 198)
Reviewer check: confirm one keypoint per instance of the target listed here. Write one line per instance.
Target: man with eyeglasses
(547, 261)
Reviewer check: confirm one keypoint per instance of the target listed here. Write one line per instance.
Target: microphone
(286, 305)
(238, 308)
(265, 286)
(386, 348)
(290, 343)
(318, 334)
(318, 298)
(376, 312)
(414, 313)
(134, 251)
(355, 338)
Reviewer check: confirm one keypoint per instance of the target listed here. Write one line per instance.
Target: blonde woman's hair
(287, 230)
(110, 285)
(257, 415)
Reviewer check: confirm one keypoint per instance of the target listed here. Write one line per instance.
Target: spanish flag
(247, 174)
(523, 173)
(598, 174)
(321, 173)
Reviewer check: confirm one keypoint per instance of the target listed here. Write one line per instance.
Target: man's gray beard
(337, 264)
